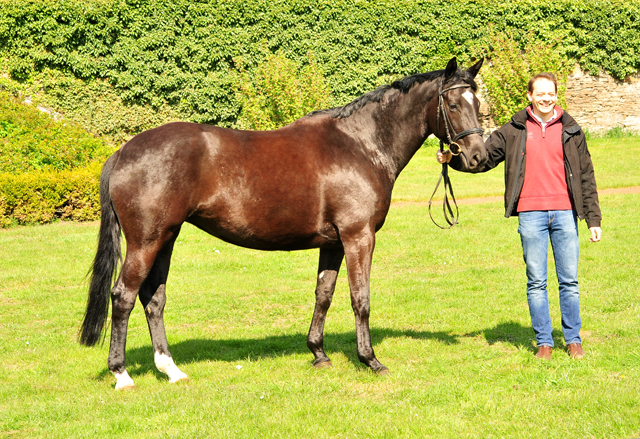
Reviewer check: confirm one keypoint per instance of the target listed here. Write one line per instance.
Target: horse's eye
(453, 107)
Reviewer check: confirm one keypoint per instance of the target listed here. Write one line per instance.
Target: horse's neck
(393, 129)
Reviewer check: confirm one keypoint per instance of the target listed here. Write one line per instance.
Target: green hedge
(43, 167)
(176, 59)
(41, 197)
(31, 140)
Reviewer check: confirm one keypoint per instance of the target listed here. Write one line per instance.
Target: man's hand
(443, 157)
(596, 234)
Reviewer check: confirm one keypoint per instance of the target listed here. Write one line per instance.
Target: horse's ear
(451, 68)
(473, 70)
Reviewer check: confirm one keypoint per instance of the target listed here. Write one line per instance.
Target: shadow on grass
(140, 360)
(521, 337)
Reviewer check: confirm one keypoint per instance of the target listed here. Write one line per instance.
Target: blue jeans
(535, 229)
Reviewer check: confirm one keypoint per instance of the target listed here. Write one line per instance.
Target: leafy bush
(278, 93)
(98, 107)
(509, 69)
(41, 197)
(31, 140)
(48, 169)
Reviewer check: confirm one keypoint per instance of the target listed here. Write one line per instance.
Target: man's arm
(495, 146)
(590, 202)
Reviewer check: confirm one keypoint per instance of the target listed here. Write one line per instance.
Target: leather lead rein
(449, 216)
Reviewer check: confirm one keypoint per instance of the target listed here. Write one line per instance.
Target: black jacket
(508, 144)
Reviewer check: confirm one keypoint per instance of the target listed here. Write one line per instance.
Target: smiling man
(549, 184)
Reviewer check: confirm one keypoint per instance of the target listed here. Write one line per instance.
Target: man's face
(543, 98)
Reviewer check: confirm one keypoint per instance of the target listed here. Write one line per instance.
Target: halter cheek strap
(451, 141)
(449, 216)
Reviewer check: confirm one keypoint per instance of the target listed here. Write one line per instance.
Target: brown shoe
(575, 350)
(544, 353)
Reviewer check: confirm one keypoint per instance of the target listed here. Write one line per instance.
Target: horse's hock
(598, 103)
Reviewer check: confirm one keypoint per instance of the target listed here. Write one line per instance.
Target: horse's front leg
(328, 267)
(358, 248)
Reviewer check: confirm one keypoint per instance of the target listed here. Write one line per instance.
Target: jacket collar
(569, 125)
(520, 119)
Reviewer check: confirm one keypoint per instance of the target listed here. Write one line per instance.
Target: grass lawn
(449, 319)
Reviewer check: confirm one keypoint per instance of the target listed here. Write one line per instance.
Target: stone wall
(598, 103)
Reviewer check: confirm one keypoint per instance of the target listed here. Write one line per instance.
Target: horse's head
(454, 118)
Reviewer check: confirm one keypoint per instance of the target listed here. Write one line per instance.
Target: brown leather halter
(449, 216)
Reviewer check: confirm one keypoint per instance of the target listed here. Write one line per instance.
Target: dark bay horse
(324, 181)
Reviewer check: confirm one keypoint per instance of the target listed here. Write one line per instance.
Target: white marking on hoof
(166, 365)
(468, 96)
(123, 381)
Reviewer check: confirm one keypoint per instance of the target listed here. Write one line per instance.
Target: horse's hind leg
(136, 267)
(153, 298)
(141, 258)
(328, 268)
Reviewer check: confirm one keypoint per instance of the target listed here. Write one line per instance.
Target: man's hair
(548, 76)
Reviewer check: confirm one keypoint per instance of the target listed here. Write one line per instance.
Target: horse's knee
(324, 290)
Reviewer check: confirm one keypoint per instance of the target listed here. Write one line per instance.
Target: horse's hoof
(123, 381)
(125, 387)
(383, 371)
(323, 364)
(176, 375)
(181, 379)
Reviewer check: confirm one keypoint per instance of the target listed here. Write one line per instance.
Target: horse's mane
(403, 85)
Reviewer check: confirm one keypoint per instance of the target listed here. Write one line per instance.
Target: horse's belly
(269, 232)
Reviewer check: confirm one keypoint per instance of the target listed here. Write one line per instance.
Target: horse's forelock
(465, 76)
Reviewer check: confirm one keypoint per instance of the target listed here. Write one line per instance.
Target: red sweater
(545, 183)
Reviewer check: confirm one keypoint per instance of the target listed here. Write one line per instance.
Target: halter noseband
(447, 122)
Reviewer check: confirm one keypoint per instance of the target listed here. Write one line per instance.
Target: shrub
(41, 197)
(98, 107)
(48, 169)
(278, 93)
(509, 69)
(31, 140)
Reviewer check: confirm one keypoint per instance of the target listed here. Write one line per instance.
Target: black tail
(105, 263)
